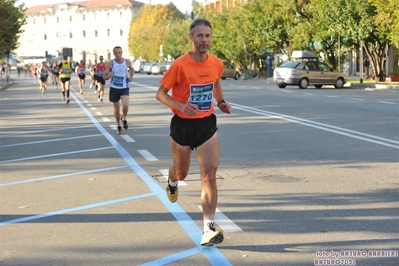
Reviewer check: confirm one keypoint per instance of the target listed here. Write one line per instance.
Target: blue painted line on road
(64, 175)
(214, 256)
(53, 155)
(80, 208)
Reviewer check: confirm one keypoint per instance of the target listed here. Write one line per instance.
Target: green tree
(11, 21)
(359, 20)
(149, 27)
(176, 41)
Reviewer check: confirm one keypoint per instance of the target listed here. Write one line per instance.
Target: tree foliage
(333, 28)
(11, 21)
(149, 28)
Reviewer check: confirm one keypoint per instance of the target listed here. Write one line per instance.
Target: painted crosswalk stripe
(165, 173)
(224, 222)
(147, 155)
(127, 138)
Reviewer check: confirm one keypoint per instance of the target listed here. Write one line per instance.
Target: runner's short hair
(197, 22)
(116, 47)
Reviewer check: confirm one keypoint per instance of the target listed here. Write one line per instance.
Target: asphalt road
(306, 177)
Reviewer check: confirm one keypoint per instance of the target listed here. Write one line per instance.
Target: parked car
(168, 65)
(138, 66)
(230, 71)
(305, 70)
(158, 68)
(147, 67)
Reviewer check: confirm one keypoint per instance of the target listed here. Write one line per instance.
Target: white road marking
(105, 119)
(356, 99)
(387, 102)
(99, 113)
(93, 108)
(127, 138)
(331, 96)
(165, 173)
(224, 222)
(147, 155)
(89, 104)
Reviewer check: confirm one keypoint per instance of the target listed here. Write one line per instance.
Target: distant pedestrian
(366, 65)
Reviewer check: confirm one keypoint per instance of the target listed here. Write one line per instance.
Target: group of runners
(61, 74)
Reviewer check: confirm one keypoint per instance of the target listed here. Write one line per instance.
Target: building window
(84, 34)
(121, 32)
(70, 35)
(70, 18)
(45, 36)
(108, 32)
(58, 19)
(34, 21)
(120, 14)
(107, 15)
(84, 17)
(45, 20)
(95, 33)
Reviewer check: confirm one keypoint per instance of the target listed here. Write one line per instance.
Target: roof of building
(85, 4)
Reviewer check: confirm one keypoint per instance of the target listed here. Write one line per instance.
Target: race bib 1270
(201, 95)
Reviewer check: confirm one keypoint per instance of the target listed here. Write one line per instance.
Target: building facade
(87, 28)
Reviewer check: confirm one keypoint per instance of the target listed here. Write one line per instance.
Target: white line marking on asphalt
(89, 104)
(384, 102)
(338, 130)
(49, 140)
(308, 93)
(53, 155)
(46, 130)
(147, 155)
(99, 113)
(85, 101)
(165, 173)
(287, 91)
(105, 119)
(331, 96)
(93, 108)
(224, 222)
(356, 99)
(127, 138)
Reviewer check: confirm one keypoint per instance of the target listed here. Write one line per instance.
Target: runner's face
(201, 38)
(118, 53)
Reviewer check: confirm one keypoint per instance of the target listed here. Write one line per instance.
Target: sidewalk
(368, 84)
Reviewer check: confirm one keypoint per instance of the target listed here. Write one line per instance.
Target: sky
(183, 5)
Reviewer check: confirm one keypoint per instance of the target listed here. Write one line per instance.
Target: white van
(138, 66)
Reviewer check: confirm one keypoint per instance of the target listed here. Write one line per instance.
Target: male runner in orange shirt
(195, 81)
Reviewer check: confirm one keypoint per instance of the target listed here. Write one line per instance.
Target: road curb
(370, 86)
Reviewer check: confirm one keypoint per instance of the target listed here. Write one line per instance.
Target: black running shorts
(63, 80)
(115, 94)
(101, 80)
(43, 79)
(82, 76)
(192, 132)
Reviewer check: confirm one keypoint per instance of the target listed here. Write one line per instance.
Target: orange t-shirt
(193, 82)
